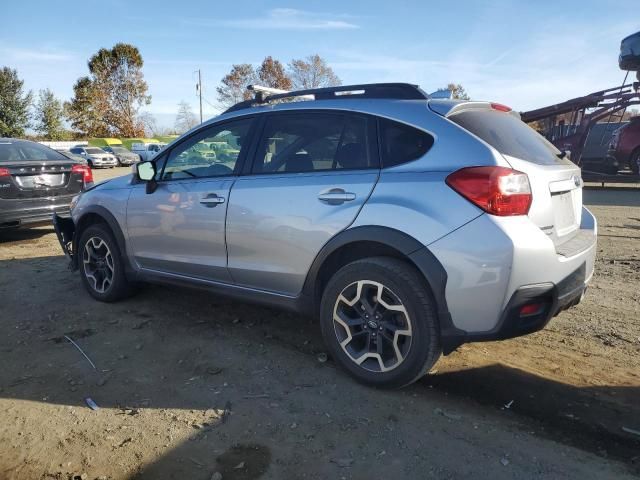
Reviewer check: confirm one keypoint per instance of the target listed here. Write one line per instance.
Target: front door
(311, 174)
(180, 227)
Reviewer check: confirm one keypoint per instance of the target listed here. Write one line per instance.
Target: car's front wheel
(379, 322)
(102, 265)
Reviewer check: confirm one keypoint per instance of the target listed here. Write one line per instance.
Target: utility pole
(199, 89)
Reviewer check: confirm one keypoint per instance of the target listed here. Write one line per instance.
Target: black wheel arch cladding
(113, 225)
(413, 251)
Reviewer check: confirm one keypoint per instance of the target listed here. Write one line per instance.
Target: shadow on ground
(174, 349)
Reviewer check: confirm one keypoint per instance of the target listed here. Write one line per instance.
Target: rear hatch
(556, 182)
(31, 171)
(38, 180)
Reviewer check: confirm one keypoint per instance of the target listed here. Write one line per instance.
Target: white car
(96, 157)
(147, 150)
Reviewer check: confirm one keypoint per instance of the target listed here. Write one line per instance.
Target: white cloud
(283, 19)
(25, 54)
(551, 65)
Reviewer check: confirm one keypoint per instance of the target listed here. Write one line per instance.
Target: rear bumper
(495, 266)
(97, 163)
(551, 298)
(32, 212)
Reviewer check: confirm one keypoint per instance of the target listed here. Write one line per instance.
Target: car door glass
(309, 142)
(212, 152)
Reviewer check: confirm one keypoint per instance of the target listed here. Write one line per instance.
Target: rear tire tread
(423, 307)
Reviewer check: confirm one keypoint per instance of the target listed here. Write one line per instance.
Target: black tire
(118, 287)
(406, 285)
(634, 161)
(90, 163)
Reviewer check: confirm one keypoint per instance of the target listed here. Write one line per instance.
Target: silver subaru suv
(405, 225)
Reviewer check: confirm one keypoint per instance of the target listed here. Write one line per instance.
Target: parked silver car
(406, 225)
(96, 157)
(124, 156)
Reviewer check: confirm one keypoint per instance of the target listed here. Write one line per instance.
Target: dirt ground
(190, 386)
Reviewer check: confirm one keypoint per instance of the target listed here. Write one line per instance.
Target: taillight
(85, 170)
(496, 190)
(500, 107)
(4, 172)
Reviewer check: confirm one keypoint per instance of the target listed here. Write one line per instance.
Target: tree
(185, 119)
(312, 72)
(85, 110)
(108, 101)
(458, 92)
(14, 104)
(233, 88)
(271, 74)
(49, 116)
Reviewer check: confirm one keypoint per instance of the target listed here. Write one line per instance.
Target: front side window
(212, 152)
(310, 142)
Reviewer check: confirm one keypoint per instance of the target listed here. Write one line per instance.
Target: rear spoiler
(446, 108)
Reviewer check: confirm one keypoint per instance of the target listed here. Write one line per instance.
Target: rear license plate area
(564, 212)
(40, 181)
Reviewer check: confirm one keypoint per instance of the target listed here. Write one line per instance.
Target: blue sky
(522, 53)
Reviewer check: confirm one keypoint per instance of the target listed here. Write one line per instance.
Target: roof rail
(399, 91)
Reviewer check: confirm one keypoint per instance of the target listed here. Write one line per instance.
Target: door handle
(211, 200)
(336, 196)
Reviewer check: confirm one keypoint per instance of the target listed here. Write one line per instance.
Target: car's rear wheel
(90, 163)
(634, 161)
(379, 322)
(101, 265)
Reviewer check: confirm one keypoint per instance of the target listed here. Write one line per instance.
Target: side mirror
(146, 172)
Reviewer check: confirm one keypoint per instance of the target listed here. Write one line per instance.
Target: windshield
(20, 150)
(119, 150)
(509, 135)
(94, 151)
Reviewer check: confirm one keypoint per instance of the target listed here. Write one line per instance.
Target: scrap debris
(81, 351)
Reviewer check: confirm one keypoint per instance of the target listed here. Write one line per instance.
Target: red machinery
(568, 124)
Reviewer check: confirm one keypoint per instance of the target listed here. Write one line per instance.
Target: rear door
(179, 228)
(555, 181)
(311, 174)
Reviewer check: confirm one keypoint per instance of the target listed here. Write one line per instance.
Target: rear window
(401, 143)
(509, 135)
(19, 151)
(94, 150)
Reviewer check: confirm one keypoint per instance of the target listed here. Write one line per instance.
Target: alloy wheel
(372, 326)
(98, 264)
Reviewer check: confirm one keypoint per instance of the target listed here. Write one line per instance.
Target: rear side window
(509, 135)
(401, 143)
(312, 142)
